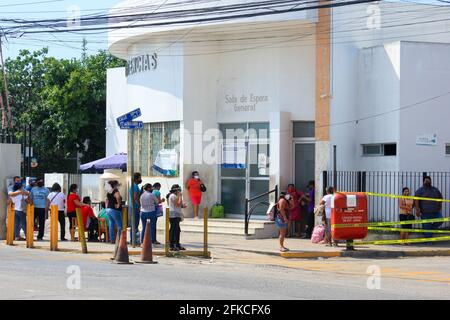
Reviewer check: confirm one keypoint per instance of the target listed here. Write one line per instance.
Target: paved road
(37, 274)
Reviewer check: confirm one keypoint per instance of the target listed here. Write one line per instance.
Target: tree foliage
(65, 103)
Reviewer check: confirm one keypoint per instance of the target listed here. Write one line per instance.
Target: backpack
(272, 212)
(318, 234)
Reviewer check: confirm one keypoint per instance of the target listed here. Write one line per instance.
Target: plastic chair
(103, 230)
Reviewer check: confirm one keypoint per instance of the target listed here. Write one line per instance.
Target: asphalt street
(37, 274)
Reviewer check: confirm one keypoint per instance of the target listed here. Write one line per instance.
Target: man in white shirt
(19, 198)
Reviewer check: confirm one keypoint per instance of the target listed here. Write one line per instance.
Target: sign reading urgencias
(142, 63)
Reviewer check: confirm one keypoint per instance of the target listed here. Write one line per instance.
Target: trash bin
(349, 208)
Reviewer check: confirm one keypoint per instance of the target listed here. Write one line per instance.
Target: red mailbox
(349, 208)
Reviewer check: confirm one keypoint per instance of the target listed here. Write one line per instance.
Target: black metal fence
(385, 208)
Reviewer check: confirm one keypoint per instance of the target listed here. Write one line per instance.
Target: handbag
(203, 188)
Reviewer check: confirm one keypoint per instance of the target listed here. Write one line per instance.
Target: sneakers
(174, 249)
(181, 248)
(156, 242)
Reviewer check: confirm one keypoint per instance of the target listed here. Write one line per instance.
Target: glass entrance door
(238, 181)
(304, 164)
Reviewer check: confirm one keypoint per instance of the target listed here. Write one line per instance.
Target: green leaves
(65, 102)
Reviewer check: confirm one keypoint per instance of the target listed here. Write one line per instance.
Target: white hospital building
(371, 79)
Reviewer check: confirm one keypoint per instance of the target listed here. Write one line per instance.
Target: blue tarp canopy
(117, 161)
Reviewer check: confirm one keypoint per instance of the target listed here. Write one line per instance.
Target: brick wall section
(323, 68)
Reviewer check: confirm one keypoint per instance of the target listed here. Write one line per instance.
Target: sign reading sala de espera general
(142, 63)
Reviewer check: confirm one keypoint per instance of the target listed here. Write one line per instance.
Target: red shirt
(194, 187)
(71, 206)
(85, 213)
(295, 210)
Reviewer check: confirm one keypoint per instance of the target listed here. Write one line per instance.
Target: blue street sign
(129, 116)
(136, 125)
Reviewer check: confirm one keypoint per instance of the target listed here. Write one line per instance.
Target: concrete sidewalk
(299, 248)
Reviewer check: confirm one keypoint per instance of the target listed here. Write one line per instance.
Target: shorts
(328, 227)
(407, 217)
(196, 199)
(280, 224)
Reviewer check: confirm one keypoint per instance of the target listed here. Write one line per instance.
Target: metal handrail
(248, 212)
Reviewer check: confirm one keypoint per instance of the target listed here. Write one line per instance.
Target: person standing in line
(406, 213)
(73, 202)
(175, 200)
(326, 201)
(114, 209)
(159, 208)
(57, 198)
(39, 198)
(295, 213)
(193, 185)
(135, 194)
(19, 197)
(148, 203)
(310, 197)
(281, 219)
(429, 209)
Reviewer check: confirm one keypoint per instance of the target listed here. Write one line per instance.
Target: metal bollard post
(167, 244)
(81, 235)
(125, 213)
(30, 226)
(205, 232)
(349, 245)
(54, 228)
(10, 229)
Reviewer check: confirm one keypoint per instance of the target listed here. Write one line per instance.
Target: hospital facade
(255, 103)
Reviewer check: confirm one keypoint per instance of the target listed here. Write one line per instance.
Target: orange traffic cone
(122, 253)
(147, 250)
(116, 248)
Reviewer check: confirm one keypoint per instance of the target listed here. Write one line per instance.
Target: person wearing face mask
(39, 198)
(135, 193)
(73, 202)
(295, 213)
(406, 213)
(429, 209)
(19, 198)
(195, 191)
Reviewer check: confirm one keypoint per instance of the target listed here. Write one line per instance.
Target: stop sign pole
(125, 123)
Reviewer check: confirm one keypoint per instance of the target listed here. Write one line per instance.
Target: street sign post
(129, 117)
(126, 122)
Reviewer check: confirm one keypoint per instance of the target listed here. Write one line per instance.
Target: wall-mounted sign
(427, 140)
(234, 155)
(245, 102)
(167, 162)
(142, 63)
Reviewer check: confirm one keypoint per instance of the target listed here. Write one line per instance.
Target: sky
(63, 45)
(60, 45)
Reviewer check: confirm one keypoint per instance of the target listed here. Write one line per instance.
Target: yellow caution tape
(374, 194)
(408, 230)
(383, 224)
(418, 240)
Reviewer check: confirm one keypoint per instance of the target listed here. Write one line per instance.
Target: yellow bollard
(124, 218)
(10, 227)
(54, 228)
(205, 232)
(167, 244)
(30, 226)
(81, 235)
